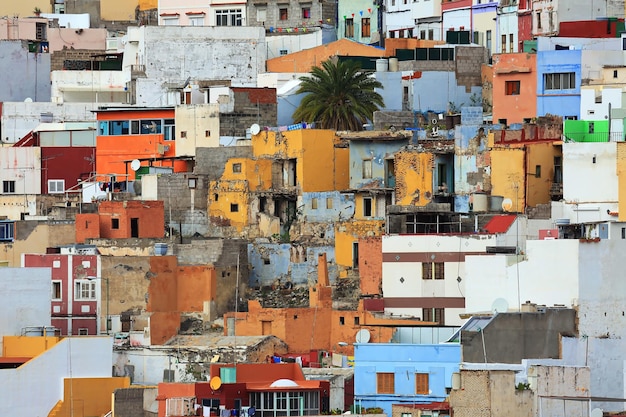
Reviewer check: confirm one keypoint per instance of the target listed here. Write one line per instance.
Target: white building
(586, 274)
(410, 19)
(424, 276)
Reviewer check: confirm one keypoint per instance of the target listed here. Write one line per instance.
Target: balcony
(584, 137)
(137, 71)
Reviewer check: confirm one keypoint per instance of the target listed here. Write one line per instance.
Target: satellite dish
(499, 305)
(28, 100)
(434, 121)
(507, 204)
(255, 129)
(135, 164)
(215, 383)
(597, 412)
(363, 336)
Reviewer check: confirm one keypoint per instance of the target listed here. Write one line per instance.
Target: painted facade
(187, 13)
(410, 20)
(118, 10)
(548, 14)
(370, 265)
(424, 276)
(122, 220)
(394, 373)
(127, 134)
(76, 302)
(201, 124)
(507, 26)
(20, 170)
(358, 21)
(558, 82)
(514, 87)
(32, 236)
(27, 69)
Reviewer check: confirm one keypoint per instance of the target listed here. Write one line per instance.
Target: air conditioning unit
(112, 44)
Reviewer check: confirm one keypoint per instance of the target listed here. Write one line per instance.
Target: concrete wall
(548, 264)
(586, 198)
(290, 42)
(185, 209)
(19, 118)
(201, 124)
(26, 299)
(171, 54)
(377, 152)
(76, 357)
(212, 161)
(329, 206)
(89, 87)
(512, 337)
(438, 90)
(27, 74)
(71, 38)
(34, 237)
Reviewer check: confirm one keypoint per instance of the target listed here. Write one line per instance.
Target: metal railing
(594, 137)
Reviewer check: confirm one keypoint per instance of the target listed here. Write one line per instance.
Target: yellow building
(24, 8)
(118, 10)
(347, 235)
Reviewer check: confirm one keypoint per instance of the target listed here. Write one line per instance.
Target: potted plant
(37, 11)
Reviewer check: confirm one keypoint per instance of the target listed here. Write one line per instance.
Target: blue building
(558, 82)
(394, 373)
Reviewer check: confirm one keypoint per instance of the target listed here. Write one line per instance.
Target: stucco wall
(26, 74)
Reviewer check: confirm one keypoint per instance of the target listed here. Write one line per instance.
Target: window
(488, 42)
(196, 20)
(151, 127)
(559, 81)
(357, 321)
(537, 171)
(365, 27)
(170, 21)
(539, 20)
(512, 88)
(283, 14)
(433, 270)
(234, 207)
(56, 290)
(306, 12)
(422, 34)
(421, 384)
(169, 129)
(367, 168)
(504, 44)
(431, 34)
(342, 320)
(6, 231)
(435, 315)
(314, 203)
(237, 167)
(329, 203)
(85, 290)
(349, 32)
(115, 223)
(8, 187)
(385, 382)
(284, 52)
(614, 73)
(56, 186)
(183, 133)
(511, 49)
(230, 17)
(367, 207)
(591, 127)
(83, 331)
(623, 232)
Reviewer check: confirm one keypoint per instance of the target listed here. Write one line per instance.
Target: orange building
(514, 88)
(122, 220)
(128, 133)
(319, 326)
(178, 289)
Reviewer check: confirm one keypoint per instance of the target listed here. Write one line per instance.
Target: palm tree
(339, 96)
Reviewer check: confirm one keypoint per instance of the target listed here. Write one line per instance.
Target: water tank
(495, 203)
(160, 249)
(480, 202)
(456, 380)
(393, 65)
(382, 65)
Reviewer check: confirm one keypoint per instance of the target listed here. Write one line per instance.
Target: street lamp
(106, 280)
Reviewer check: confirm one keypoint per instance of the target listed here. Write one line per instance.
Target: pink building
(75, 288)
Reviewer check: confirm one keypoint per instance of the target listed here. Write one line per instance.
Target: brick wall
(59, 57)
(252, 105)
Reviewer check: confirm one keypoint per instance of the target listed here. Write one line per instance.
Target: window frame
(366, 28)
(57, 284)
(422, 386)
(349, 28)
(512, 87)
(228, 17)
(82, 287)
(385, 383)
(433, 270)
(554, 81)
(8, 187)
(56, 190)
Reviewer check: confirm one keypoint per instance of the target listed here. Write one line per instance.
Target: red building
(265, 390)
(76, 298)
(67, 156)
(122, 220)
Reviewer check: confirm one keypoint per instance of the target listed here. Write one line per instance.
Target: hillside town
(269, 208)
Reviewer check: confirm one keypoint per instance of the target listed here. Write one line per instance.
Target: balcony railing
(594, 137)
